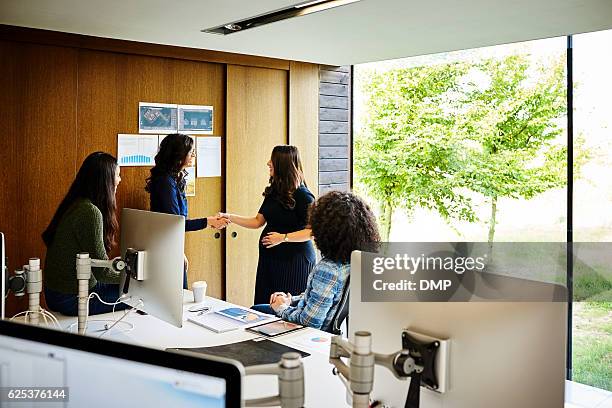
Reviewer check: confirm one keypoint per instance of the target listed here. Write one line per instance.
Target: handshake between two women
(218, 222)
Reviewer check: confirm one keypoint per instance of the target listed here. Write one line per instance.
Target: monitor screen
(97, 380)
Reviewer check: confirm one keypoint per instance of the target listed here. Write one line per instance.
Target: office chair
(342, 311)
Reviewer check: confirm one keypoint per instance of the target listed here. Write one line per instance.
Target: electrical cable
(112, 321)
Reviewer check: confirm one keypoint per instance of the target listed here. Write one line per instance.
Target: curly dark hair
(342, 223)
(288, 175)
(170, 158)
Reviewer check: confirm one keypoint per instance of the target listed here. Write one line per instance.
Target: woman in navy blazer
(166, 185)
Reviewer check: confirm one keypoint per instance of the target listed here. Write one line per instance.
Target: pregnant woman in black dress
(286, 253)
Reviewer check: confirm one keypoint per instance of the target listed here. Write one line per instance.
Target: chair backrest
(342, 310)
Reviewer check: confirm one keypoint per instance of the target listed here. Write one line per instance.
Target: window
(472, 146)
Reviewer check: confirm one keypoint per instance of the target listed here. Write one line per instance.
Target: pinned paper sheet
(209, 156)
(195, 119)
(157, 118)
(190, 188)
(136, 150)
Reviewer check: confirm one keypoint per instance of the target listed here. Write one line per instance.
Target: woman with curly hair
(341, 223)
(284, 213)
(167, 182)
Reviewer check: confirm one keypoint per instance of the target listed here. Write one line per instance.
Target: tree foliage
(436, 133)
(410, 156)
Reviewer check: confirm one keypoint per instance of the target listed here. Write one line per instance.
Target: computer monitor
(162, 237)
(501, 354)
(100, 373)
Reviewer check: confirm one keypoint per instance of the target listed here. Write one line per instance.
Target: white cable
(52, 317)
(91, 296)
(108, 323)
(108, 329)
(112, 321)
(120, 299)
(41, 311)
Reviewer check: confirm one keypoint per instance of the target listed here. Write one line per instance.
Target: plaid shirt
(317, 305)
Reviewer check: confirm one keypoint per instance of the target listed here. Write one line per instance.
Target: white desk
(323, 389)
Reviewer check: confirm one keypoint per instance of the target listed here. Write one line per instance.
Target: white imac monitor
(162, 237)
(501, 354)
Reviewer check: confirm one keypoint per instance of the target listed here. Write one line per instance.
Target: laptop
(49, 368)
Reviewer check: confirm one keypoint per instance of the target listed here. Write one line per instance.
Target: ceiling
(366, 31)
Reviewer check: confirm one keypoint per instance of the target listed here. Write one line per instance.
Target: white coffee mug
(199, 291)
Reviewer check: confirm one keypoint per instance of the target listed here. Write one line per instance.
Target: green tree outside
(435, 134)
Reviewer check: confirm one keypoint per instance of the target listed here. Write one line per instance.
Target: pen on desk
(205, 310)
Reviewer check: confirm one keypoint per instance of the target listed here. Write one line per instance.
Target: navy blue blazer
(167, 197)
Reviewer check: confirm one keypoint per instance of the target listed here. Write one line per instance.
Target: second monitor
(501, 354)
(162, 238)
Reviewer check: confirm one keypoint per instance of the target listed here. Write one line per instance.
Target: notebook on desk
(231, 318)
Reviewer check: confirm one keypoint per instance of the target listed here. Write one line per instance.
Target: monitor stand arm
(83, 268)
(290, 372)
(415, 360)
(28, 281)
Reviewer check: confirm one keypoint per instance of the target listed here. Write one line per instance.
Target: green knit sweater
(79, 230)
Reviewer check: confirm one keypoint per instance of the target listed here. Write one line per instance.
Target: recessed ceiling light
(233, 27)
(310, 3)
(302, 9)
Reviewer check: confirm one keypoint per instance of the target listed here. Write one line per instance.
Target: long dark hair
(342, 223)
(94, 181)
(288, 175)
(169, 161)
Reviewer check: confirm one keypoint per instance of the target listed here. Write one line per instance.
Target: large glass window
(467, 145)
(592, 208)
(472, 146)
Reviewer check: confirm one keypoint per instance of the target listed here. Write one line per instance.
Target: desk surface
(323, 389)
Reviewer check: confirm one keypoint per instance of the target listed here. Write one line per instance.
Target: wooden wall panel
(39, 118)
(110, 88)
(335, 139)
(11, 83)
(304, 117)
(79, 41)
(48, 123)
(62, 103)
(256, 122)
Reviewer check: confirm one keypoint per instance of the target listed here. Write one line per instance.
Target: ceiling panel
(369, 30)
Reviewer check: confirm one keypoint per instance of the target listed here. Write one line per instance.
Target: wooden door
(257, 104)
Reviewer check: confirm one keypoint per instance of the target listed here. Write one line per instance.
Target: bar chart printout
(136, 150)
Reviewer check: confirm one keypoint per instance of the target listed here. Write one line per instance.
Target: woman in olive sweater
(85, 221)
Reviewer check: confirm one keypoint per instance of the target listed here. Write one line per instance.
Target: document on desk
(231, 319)
(309, 340)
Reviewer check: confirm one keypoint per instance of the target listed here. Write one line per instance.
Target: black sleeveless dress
(285, 267)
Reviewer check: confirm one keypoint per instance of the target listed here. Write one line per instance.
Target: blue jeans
(263, 308)
(67, 304)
